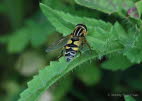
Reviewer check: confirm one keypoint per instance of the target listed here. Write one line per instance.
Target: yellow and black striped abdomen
(71, 48)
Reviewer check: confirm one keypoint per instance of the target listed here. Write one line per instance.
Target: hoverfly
(71, 43)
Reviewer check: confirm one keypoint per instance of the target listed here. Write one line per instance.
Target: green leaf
(60, 5)
(129, 98)
(116, 62)
(34, 33)
(89, 73)
(99, 31)
(109, 6)
(55, 20)
(59, 92)
(139, 7)
(133, 48)
(2, 8)
(18, 41)
(104, 40)
(134, 54)
(71, 7)
(15, 11)
(60, 19)
(102, 33)
(4, 39)
(39, 32)
(51, 74)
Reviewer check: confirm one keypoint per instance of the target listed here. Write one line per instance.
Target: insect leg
(62, 53)
(79, 52)
(88, 45)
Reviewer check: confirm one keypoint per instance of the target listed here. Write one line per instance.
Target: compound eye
(82, 26)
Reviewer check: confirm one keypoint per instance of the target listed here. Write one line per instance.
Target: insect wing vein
(58, 44)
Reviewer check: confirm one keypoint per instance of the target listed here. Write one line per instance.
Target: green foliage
(50, 75)
(129, 98)
(17, 7)
(139, 7)
(89, 73)
(2, 7)
(59, 92)
(98, 33)
(116, 62)
(31, 33)
(104, 38)
(109, 6)
(114, 34)
(133, 47)
(70, 20)
(20, 40)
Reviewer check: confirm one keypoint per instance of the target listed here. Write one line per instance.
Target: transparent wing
(58, 44)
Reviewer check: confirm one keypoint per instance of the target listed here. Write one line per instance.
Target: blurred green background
(24, 35)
